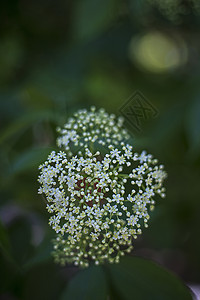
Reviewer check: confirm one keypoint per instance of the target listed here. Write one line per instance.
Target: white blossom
(97, 207)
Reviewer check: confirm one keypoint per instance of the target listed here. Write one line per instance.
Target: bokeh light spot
(157, 52)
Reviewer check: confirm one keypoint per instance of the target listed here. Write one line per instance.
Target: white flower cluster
(98, 202)
(89, 128)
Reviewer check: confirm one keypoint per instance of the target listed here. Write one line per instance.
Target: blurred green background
(59, 56)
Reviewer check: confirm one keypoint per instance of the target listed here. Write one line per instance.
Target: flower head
(98, 202)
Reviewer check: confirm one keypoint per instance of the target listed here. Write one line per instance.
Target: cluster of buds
(91, 129)
(98, 202)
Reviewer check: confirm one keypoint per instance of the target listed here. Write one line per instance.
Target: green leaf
(5, 246)
(30, 159)
(88, 284)
(140, 279)
(20, 232)
(24, 122)
(43, 252)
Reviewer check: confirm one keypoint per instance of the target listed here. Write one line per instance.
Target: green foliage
(101, 13)
(5, 243)
(29, 159)
(142, 279)
(193, 127)
(11, 54)
(132, 277)
(91, 285)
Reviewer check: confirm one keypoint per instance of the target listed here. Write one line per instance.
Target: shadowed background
(59, 56)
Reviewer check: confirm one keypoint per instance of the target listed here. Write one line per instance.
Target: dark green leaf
(89, 284)
(140, 279)
(23, 122)
(20, 232)
(5, 248)
(43, 252)
(30, 159)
